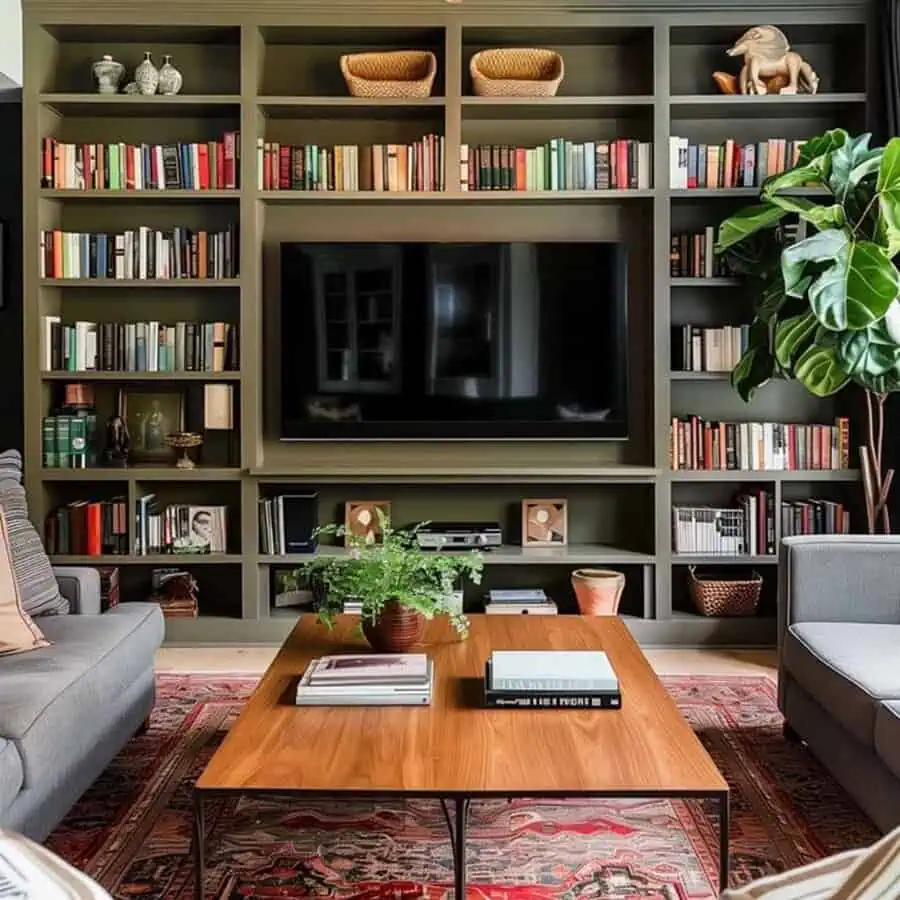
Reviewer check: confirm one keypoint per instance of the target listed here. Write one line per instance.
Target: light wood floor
(254, 661)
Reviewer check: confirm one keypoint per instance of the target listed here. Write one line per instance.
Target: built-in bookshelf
(264, 145)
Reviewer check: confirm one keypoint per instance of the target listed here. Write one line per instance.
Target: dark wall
(11, 261)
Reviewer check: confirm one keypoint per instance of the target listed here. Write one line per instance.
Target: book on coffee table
(387, 679)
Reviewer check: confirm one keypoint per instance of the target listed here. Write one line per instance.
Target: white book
(308, 694)
(548, 608)
(518, 595)
(371, 668)
(549, 670)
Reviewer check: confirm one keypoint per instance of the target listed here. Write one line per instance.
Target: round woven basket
(516, 72)
(730, 596)
(395, 73)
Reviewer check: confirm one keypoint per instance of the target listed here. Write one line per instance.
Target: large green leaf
(792, 337)
(853, 156)
(870, 351)
(757, 365)
(769, 297)
(819, 370)
(818, 215)
(799, 176)
(856, 287)
(822, 146)
(888, 188)
(880, 384)
(746, 222)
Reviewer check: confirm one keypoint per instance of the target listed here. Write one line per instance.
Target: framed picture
(150, 414)
(362, 519)
(545, 523)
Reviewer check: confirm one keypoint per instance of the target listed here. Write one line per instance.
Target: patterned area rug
(131, 831)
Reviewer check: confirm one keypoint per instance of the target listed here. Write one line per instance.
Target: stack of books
(371, 679)
(551, 679)
(525, 601)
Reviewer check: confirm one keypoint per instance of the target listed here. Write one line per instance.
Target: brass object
(184, 441)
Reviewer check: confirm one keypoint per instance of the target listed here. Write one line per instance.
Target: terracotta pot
(598, 591)
(397, 630)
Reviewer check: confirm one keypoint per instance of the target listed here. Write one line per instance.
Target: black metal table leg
(459, 839)
(199, 849)
(724, 826)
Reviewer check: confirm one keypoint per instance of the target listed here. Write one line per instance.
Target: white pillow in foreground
(30, 872)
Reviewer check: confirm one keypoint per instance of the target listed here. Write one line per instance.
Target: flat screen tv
(453, 341)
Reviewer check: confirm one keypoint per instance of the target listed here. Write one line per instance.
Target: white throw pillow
(30, 872)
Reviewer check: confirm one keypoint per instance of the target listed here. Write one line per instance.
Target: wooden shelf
(507, 555)
(157, 559)
(778, 106)
(455, 196)
(686, 193)
(141, 376)
(733, 475)
(156, 105)
(276, 107)
(164, 196)
(700, 376)
(142, 473)
(597, 107)
(705, 282)
(140, 283)
(713, 560)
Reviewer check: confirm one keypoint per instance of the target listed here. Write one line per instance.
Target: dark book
(548, 700)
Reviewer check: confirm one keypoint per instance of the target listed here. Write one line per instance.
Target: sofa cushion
(17, 632)
(887, 735)
(848, 668)
(49, 698)
(37, 585)
(11, 774)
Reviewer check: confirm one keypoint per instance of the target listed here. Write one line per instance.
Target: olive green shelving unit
(634, 68)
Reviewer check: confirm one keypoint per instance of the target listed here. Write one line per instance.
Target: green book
(48, 443)
(77, 442)
(63, 442)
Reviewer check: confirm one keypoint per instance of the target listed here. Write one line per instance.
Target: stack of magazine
(371, 679)
(551, 679)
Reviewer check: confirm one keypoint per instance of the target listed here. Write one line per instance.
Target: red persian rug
(131, 831)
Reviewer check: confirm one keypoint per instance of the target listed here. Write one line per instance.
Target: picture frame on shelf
(150, 414)
(362, 519)
(545, 523)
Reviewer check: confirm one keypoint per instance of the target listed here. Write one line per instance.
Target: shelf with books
(712, 559)
(93, 375)
(569, 107)
(157, 196)
(129, 283)
(157, 559)
(687, 193)
(711, 282)
(153, 106)
(773, 475)
(142, 473)
(594, 196)
(325, 108)
(679, 375)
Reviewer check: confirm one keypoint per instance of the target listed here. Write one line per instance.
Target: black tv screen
(435, 341)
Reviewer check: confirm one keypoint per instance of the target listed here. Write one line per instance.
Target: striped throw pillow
(34, 574)
(17, 632)
(872, 874)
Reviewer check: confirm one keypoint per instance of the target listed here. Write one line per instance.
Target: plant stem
(865, 212)
(877, 484)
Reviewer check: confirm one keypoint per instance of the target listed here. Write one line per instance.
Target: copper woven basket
(395, 73)
(725, 596)
(516, 72)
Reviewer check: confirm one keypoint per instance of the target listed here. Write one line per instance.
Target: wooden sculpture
(770, 66)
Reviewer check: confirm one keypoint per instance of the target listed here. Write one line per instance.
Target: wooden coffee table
(455, 750)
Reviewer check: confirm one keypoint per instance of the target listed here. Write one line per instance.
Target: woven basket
(516, 72)
(396, 73)
(735, 596)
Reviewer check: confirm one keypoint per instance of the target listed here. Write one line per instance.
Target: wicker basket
(516, 72)
(725, 596)
(397, 73)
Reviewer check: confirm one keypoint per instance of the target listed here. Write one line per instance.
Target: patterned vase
(170, 79)
(397, 630)
(146, 76)
(598, 591)
(108, 73)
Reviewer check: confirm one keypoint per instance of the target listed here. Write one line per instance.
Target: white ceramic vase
(146, 76)
(170, 79)
(108, 73)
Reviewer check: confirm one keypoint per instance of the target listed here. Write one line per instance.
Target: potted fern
(826, 307)
(398, 585)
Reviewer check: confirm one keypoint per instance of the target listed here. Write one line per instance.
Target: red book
(621, 164)
(284, 168)
(521, 170)
(129, 167)
(94, 529)
(203, 166)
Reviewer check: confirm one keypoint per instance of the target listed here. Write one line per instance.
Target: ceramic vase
(398, 629)
(170, 79)
(108, 73)
(598, 591)
(146, 76)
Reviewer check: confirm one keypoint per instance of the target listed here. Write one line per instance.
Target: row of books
(729, 164)
(417, 166)
(109, 587)
(139, 346)
(286, 523)
(700, 445)
(69, 441)
(727, 531)
(558, 165)
(179, 528)
(692, 255)
(519, 601)
(814, 517)
(698, 349)
(88, 528)
(192, 166)
(372, 679)
(141, 253)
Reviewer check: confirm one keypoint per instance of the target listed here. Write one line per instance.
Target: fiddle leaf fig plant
(826, 309)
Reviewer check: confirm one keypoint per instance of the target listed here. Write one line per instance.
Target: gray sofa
(65, 711)
(839, 661)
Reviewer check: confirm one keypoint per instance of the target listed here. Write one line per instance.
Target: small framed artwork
(151, 414)
(363, 519)
(545, 523)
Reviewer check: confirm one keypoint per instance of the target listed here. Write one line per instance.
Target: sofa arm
(839, 578)
(80, 585)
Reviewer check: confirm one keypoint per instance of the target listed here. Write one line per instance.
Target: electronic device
(459, 535)
(453, 341)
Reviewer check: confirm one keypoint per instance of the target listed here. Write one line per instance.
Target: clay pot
(598, 591)
(398, 629)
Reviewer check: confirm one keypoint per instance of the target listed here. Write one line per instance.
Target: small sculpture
(118, 443)
(184, 441)
(170, 79)
(770, 66)
(108, 73)
(146, 76)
